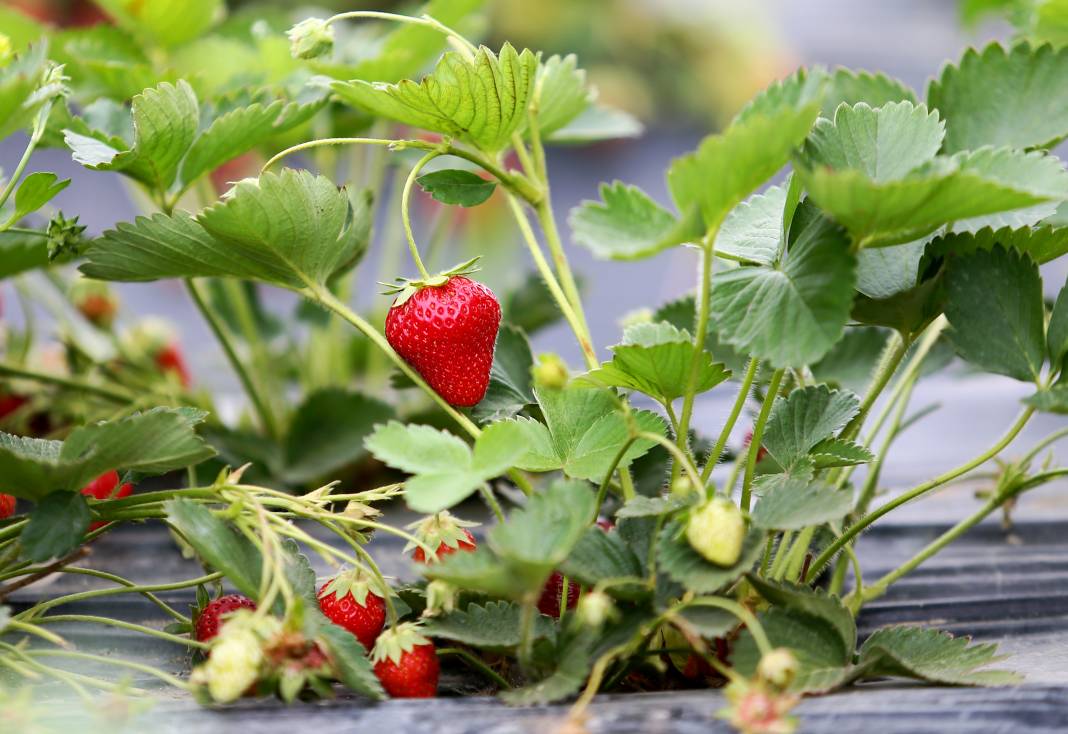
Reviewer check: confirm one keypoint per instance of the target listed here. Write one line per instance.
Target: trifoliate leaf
(1050, 400)
(155, 442)
(805, 418)
(291, 229)
(813, 603)
(33, 192)
(1005, 97)
(823, 661)
(1042, 244)
(846, 86)
(753, 231)
(493, 626)
(57, 526)
(884, 143)
(727, 167)
(682, 563)
(655, 359)
(165, 22)
(561, 93)
(797, 504)
(510, 388)
(597, 123)
(1057, 333)
(791, 313)
(968, 185)
(994, 305)
(932, 656)
(481, 102)
(457, 187)
(584, 431)
(327, 432)
(628, 225)
(446, 471)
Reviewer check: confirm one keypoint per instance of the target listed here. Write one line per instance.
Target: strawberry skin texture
(549, 602)
(365, 621)
(7, 506)
(443, 550)
(415, 675)
(447, 333)
(106, 487)
(210, 618)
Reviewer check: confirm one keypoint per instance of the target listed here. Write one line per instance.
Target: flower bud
(311, 38)
(595, 608)
(550, 372)
(778, 667)
(716, 530)
(682, 487)
(440, 597)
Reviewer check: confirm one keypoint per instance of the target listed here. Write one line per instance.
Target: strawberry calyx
(396, 641)
(357, 582)
(441, 529)
(405, 288)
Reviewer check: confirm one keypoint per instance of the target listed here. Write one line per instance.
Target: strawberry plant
(844, 232)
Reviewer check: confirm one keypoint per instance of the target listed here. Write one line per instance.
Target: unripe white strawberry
(716, 530)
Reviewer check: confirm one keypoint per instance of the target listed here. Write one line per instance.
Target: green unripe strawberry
(550, 372)
(716, 530)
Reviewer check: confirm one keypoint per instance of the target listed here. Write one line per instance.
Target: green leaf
(600, 555)
(1042, 244)
(350, 659)
(57, 526)
(221, 547)
(796, 504)
(813, 603)
(166, 119)
(685, 565)
(327, 432)
(597, 123)
(838, 452)
(649, 507)
(1050, 400)
(457, 187)
(561, 93)
(572, 666)
(35, 191)
(446, 470)
(727, 167)
(481, 102)
(885, 272)
(655, 359)
(823, 661)
(968, 185)
(805, 418)
(628, 225)
(291, 229)
(884, 143)
(494, 625)
(20, 252)
(994, 305)
(846, 86)
(510, 388)
(752, 232)
(165, 22)
(584, 431)
(155, 442)
(22, 88)
(1057, 332)
(932, 656)
(850, 362)
(1003, 97)
(792, 313)
(529, 306)
(709, 622)
(481, 571)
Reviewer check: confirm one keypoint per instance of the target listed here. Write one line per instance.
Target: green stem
(88, 618)
(918, 491)
(758, 437)
(746, 617)
(89, 658)
(797, 554)
(476, 664)
(259, 403)
(425, 20)
(114, 394)
(704, 302)
(35, 138)
(896, 349)
(736, 411)
(406, 195)
(676, 453)
(602, 492)
(778, 567)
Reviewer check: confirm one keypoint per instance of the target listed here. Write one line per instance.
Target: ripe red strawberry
(347, 600)
(447, 332)
(106, 487)
(443, 532)
(170, 359)
(10, 402)
(7, 506)
(549, 601)
(406, 663)
(211, 617)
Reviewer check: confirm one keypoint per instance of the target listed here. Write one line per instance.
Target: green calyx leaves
(405, 288)
(290, 229)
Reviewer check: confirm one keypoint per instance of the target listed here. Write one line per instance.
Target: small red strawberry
(212, 616)
(748, 439)
(7, 506)
(348, 601)
(549, 601)
(95, 301)
(406, 663)
(9, 403)
(106, 487)
(169, 359)
(156, 341)
(446, 328)
(443, 532)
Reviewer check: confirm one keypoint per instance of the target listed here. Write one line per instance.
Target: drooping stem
(88, 618)
(425, 21)
(115, 394)
(736, 410)
(918, 491)
(406, 195)
(476, 664)
(547, 220)
(896, 349)
(129, 664)
(758, 438)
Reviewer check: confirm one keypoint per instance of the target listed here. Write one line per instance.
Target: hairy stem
(758, 438)
(736, 411)
(406, 196)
